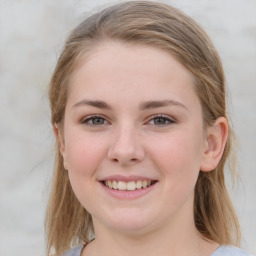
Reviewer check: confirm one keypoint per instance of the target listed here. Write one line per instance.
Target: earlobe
(60, 140)
(215, 142)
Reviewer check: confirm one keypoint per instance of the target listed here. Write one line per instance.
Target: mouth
(128, 186)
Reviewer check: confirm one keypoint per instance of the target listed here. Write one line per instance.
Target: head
(161, 26)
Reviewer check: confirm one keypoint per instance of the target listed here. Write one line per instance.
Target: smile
(130, 186)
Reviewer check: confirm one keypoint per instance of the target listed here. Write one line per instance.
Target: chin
(129, 222)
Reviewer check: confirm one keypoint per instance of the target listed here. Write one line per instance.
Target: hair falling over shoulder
(159, 25)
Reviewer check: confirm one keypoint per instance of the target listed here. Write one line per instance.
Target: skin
(163, 142)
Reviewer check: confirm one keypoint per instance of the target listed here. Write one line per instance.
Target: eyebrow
(160, 103)
(94, 103)
(143, 106)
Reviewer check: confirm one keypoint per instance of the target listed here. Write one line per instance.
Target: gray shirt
(221, 251)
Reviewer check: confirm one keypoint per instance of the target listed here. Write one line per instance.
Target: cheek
(83, 153)
(178, 157)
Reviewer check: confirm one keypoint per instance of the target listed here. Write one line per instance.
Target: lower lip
(128, 194)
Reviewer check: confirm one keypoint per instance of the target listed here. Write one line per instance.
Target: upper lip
(126, 178)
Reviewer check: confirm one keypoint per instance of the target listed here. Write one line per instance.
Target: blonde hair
(164, 27)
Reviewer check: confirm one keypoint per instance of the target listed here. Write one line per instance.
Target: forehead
(130, 71)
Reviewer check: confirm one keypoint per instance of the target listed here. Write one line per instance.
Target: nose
(126, 146)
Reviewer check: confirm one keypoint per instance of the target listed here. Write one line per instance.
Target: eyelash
(91, 118)
(164, 118)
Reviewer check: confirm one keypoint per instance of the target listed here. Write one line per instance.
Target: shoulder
(76, 251)
(226, 250)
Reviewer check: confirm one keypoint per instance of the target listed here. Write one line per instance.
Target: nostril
(131, 160)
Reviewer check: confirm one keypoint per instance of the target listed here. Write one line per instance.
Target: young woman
(139, 113)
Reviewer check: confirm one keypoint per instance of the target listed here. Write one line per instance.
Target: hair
(162, 26)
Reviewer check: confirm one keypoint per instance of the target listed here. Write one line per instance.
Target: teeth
(109, 184)
(121, 185)
(139, 184)
(114, 184)
(131, 185)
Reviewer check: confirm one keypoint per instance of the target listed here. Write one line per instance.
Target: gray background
(31, 37)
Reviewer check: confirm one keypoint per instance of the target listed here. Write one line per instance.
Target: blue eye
(94, 120)
(160, 120)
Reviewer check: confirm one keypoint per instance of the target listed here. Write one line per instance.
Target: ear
(215, 141)
(61, 143)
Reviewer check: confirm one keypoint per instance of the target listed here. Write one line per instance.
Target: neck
(171, 239)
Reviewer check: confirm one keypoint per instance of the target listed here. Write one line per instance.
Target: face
(133, 138)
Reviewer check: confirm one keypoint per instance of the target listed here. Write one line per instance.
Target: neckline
(212, 254)
(216, 250)
(85, 246)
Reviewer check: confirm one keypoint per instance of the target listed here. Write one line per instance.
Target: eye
(161, 120)
(94, 121)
